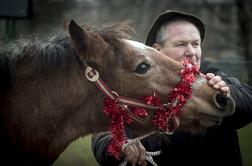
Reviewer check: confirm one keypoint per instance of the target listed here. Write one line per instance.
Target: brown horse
(47, 102)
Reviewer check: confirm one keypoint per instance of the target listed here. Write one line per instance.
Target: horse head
(134, 70)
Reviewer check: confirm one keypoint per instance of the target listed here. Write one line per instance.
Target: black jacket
(216, 147)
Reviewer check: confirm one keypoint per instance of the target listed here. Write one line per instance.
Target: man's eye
(180, 44)
(142, 68)
(196, 44)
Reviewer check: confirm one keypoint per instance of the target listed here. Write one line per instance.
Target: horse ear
(78, 35)
(88, 45)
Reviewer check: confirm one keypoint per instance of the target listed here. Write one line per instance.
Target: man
(179, 35)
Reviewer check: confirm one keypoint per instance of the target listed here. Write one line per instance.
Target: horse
(47, 101)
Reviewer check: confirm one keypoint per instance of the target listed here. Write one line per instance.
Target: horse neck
(52, 110)
(87, 116)
(75, 96)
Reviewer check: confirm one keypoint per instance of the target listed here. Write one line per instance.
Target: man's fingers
(219, 85)
(209, 76)
(214, 80)
(130, 154)
(135, 154)
(142, 152)
(225, 90)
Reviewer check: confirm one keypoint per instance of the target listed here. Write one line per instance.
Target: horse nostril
(224, 103)
(221, 100)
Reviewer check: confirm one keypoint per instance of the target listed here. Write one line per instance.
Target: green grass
(245, 136)
(79, 152)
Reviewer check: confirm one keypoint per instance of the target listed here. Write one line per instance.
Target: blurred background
(228, 43)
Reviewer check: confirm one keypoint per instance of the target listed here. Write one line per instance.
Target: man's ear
(156, 46)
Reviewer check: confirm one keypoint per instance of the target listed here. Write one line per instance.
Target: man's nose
(189, 52)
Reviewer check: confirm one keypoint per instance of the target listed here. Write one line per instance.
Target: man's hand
(217, 83)
(135, 154)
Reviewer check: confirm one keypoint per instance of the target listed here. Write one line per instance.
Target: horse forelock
(113, 35)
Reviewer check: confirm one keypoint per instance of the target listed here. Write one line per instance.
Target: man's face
(181, 39)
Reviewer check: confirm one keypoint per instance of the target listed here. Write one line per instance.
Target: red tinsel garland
(118, 118)
(177, 97)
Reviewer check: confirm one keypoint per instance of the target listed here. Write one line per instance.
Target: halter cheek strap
(93, 76)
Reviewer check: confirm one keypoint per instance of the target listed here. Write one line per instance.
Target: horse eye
(142, 68)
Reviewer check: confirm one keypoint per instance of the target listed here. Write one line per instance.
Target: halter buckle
(116, 96)
(91, 74)
(165, 106)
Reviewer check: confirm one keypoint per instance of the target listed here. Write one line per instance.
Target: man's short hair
(169, 16)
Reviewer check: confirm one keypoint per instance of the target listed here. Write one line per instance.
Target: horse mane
(120, 30)
(53, 55)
